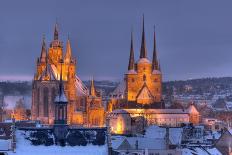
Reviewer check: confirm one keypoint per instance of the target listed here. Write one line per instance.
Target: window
(45, 100)
(144, 77)
(133, 80)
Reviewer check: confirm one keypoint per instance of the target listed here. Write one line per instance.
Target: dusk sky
(194, 38)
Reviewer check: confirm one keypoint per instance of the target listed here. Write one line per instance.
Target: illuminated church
(84, 105)
(142, 85)
(137, 101)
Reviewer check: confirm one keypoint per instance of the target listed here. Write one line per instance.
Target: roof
(175, 134)
(132, 71)
(143, 60)
(158, 111)
(156, 72)
(120, 142)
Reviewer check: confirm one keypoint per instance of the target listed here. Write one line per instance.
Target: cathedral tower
(143, 79)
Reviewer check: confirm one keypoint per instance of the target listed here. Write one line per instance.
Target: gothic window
(45, 100)
(53, 94)
(144, 68)
(38, 99)
(133, 80)
(155, 80)
(144, 77)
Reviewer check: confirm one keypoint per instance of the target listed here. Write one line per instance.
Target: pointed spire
(68, 54)
(143, 50)
(56, 33)
(92, 88)
(43, 51)
(131, 60)
(155, 61)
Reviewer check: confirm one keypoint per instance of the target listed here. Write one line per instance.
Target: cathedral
(84, 104)
(137, 101)
(142, 85)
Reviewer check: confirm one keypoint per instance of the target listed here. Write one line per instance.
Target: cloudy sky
(194, 38)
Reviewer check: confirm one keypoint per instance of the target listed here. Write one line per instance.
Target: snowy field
(24, 147)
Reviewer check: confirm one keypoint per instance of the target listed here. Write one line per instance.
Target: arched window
(144, 77)
(38, 101)
(45, 100)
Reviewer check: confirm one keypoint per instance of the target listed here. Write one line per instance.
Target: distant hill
(195, 86)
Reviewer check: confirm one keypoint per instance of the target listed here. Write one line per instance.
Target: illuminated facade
(142, 85)
(52, 63)
(137, 101)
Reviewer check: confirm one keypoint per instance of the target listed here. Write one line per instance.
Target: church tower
(143, 79)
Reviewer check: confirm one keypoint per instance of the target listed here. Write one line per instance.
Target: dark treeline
(198, 86)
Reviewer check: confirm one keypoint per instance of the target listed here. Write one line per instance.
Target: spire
(56, 34)
(92, 88)
(155, 61)
(143, 50)
(43, 51)
(131, 60)
(68, 54)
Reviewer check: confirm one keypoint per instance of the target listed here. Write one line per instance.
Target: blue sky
(194, 38)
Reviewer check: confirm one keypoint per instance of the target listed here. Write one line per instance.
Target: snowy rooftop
(24, 147)
(143, 60)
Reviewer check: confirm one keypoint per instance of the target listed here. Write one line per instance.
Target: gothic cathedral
(142, 85)
(84, 106)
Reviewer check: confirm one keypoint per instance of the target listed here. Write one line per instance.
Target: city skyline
(190, 43)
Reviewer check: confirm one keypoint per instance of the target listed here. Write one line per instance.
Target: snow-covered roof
(158, 111)
(81, 89)
(156, 72)
(143, 142)
(24, 147)
(175, 134)
(192, 109)
(132, 71)
(5, 145)
(200, 151)
(61, 97)
(143, 60)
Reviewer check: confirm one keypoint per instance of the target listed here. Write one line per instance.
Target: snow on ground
(24, 147)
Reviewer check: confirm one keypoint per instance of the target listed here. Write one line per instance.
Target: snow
(143, 60)
(132, 72)
(61, 98)
(143, 142)
(23, 147)
(5, 144)
(175, 134)
(200, 151)
(156, 72)
(81, 89)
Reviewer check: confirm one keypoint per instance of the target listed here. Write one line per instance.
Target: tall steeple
(68, 54)
(131, 64)
(143, 50)
(155, 65)
(92, 88)
(43, 52)
(56, 33)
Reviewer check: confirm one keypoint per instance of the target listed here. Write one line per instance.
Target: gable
(125, 145)
(144, 94)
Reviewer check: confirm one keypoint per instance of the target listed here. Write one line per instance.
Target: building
(137, 101)
(53, 63)
(224, 143)
(142, 85)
